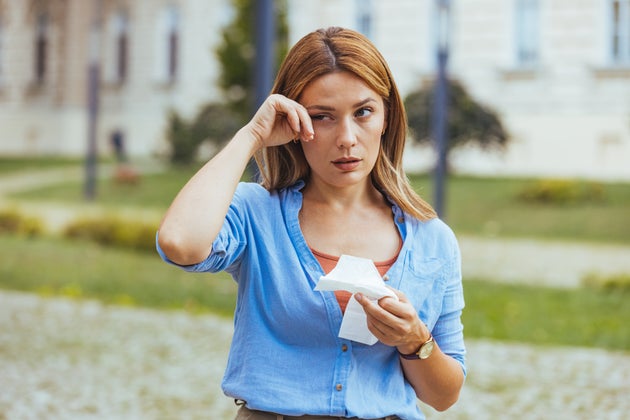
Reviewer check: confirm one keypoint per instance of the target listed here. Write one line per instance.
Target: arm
(195, 217)
(438, 379)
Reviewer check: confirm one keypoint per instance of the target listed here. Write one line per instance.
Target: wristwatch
(423, 352)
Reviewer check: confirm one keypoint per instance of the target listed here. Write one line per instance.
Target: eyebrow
(330, 108)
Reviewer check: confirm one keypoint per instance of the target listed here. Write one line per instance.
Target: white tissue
(356, 275)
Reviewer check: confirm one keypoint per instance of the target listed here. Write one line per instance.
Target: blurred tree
(468, 121)
(217, 122)
(214, 122)
(237, 54)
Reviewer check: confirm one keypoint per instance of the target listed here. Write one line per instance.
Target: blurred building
(557, 72)
(154, 55)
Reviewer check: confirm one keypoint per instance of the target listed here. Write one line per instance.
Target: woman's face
(348, 120)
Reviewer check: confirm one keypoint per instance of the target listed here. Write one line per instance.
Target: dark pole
(441, 108)
(92, 100)
(265, 35)
(263, 64)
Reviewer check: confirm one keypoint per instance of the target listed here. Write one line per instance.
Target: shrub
(614, 282)
(12, 221)
(558, 191)
(113, 231)
(213, 122)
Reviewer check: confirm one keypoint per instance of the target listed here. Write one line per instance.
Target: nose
(346, 137)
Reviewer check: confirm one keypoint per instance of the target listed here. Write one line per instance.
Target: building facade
(556, 71)
(154, 56)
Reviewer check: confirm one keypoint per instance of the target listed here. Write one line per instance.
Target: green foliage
(214, 122)
(237, 54)
(558, 191)
(12, 221)
(180, 137)
(612, 283)
(113, 231)
(468, 120)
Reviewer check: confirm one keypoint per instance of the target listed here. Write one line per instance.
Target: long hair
(331, 50)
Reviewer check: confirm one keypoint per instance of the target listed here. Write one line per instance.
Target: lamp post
(263, 68)
(92, 100)
(440, 112)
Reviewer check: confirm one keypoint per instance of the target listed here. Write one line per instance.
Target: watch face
(426, 350)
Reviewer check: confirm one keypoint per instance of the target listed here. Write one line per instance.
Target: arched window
(619, 24)
(167, 45)
(118, 48)
(527, 33)
(2, 53)
(364, 16)
(41, 48)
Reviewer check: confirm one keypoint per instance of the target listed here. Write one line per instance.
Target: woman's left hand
(395, 322)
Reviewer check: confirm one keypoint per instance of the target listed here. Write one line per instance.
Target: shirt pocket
(424, 284)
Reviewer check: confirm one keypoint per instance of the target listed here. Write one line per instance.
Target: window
(167, 45)
(527, 26)
(41, 48)
(620, 32)
(2, 76)
(364, 16)
(118, 46)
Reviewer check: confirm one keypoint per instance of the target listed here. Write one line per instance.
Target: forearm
(437, 380)
(196, 215)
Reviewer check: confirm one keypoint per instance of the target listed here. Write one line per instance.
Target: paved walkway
(64, 359)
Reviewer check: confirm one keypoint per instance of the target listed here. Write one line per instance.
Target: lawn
(75, 269)
(476, 206)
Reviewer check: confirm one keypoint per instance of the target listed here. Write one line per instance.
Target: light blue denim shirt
(285, 355)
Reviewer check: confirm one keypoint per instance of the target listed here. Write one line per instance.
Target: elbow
(444, 404)
(178, 249)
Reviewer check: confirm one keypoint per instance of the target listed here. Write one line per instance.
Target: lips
(346, 163)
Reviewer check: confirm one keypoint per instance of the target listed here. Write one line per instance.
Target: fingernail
(358, 297)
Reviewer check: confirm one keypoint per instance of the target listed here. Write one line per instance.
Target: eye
(363, 112)
(319, 117)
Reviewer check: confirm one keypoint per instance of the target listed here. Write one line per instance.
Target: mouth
(346, 163)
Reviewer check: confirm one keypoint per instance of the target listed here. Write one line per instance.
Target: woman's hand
(280, 120)
(395, 322)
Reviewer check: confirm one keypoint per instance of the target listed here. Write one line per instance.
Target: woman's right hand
(280, 120)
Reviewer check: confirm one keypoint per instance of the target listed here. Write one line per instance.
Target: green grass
(476, 206)
(76, 269)
(491, 207)
(17, 164)
(80, 269)
(577, 317)
(154, 190)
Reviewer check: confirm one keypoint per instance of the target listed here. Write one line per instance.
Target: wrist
(421, 351)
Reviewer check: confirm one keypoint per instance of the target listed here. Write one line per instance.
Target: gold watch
(423, 352)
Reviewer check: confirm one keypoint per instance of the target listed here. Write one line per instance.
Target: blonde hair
(331, 50)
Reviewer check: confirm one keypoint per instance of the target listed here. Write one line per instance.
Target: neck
(364, 194)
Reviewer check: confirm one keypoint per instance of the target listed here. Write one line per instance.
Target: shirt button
(386, 277)
(344, 347)
(339, 387)
(401, 219)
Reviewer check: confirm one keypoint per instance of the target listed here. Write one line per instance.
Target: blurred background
(519, 134)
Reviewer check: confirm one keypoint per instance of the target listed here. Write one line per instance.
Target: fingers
(392, 322)
(289, 120)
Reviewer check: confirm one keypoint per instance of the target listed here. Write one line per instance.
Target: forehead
(336, 87)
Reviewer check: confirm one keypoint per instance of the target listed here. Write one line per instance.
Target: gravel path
(64, 359)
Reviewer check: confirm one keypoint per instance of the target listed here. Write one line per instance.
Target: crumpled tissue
(355, 275)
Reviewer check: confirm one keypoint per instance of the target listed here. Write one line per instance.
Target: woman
(329, 144)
